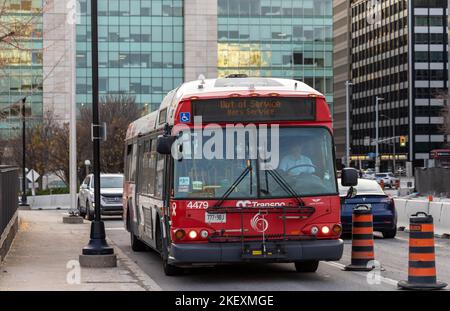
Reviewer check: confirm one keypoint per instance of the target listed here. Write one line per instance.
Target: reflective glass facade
(140, 49)
(21, 61)
(278, 38)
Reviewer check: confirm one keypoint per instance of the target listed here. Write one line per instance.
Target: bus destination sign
(255, 109)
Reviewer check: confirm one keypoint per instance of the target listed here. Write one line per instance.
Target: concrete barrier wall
(440, 210)
(61, 201)
(433, 181)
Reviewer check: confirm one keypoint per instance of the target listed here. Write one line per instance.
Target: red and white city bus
(200, 194)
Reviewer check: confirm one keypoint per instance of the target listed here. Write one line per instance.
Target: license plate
(215, 218)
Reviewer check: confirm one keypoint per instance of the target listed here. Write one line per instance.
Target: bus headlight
(325, 229)
(193, 234)
(314, 230)
(204, 234)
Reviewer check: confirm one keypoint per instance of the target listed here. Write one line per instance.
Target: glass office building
(404, 60)
(140, 49)
(277, 38)
(142, 44)
(21, 71)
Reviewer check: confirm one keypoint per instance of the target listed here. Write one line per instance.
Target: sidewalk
(44, 256)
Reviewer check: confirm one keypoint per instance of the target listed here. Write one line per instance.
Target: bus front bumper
(282, 251)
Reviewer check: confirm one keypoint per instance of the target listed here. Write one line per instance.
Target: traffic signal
(402, 141)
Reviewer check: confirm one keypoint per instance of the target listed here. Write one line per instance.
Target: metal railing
(9, 194)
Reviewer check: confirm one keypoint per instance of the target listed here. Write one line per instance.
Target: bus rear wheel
(306, 266)
(136, 244)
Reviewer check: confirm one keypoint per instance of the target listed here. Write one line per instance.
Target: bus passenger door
(147, 175)
(159, 189)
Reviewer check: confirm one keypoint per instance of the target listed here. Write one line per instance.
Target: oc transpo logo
(259, 223)
(257, 204)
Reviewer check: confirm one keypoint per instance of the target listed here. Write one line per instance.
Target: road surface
(391, 253)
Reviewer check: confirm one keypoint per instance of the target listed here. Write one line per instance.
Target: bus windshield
(302, 156)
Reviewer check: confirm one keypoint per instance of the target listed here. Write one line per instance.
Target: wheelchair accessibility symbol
(185, 117)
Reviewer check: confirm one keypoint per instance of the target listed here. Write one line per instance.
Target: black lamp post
(97, 243)
(24, 177)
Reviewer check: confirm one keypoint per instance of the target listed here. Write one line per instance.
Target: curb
(144, 279)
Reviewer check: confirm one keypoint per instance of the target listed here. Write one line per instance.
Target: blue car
(370, 193)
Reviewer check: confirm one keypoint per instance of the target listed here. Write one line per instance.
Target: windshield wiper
(284, 185)
(236, 183)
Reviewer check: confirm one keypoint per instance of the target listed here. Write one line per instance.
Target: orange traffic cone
(422, 264)
(362, 240)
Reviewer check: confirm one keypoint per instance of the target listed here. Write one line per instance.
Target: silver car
(388, 179)
(110, 195)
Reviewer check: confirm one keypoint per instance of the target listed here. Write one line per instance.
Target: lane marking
(341, 267)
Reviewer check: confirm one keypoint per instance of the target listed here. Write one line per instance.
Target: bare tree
(117, 111)
(39, 145)
(17, 29)
(60, 153)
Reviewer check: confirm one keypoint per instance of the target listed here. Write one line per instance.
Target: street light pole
(24, 176)
(347, 122)
(393, 146)
(73, 126)
(377, 135)
(394, 138)
(97, 243)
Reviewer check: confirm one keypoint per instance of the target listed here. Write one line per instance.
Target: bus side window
(131, 162)
(128, 159)
(159, 184)
(145, 168)
(140, 182)
(152, 168)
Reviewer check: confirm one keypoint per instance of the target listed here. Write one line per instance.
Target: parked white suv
(389, 179)
(110, 195)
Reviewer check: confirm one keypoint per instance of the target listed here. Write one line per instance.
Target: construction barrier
(422, 259)
(440, 210)
(362, 240)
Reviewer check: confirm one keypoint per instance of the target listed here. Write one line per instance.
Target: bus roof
(210, 87)
(201, 87)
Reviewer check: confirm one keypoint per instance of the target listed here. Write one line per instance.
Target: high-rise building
(140, 49)
(149, 47)
(35, 62)
(398, 53)
(21, 62)
(341, 71)
(291, 39)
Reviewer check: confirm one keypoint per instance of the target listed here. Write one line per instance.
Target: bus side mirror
(164, 144)
(349, 177)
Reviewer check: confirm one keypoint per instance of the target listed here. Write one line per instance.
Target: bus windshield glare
(303, 157)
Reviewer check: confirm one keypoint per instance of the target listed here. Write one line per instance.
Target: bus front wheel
(306, 266)
(171, 270)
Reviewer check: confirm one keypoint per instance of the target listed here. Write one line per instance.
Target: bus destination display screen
(255, 109)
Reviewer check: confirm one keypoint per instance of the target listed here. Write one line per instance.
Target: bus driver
(296, 163)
